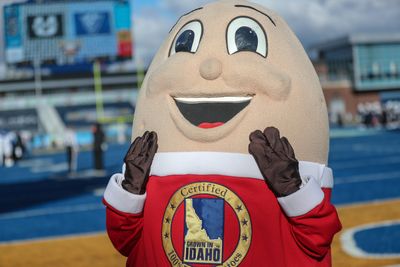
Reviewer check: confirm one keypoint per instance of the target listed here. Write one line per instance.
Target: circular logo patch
(206, 223)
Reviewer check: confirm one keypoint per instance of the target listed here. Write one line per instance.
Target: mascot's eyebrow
(183, 16)
(273, 22)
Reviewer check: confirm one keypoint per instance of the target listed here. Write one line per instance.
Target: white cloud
(149, 30)
(312, 20)
(319, 20)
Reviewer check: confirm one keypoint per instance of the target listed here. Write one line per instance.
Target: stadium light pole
(98, 87)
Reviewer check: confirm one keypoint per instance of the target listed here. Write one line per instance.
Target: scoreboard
(67, 32)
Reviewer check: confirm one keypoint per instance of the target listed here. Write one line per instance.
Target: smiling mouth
(211, 112)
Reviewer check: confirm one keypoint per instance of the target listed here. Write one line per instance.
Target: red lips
(209, 125)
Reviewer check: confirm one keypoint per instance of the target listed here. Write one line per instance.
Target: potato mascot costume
(209, 179)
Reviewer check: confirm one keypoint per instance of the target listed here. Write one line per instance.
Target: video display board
(45, 26)
(92, 23)
(67, 32)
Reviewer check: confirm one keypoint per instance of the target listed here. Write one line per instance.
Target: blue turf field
(380, 245)
(38, 201)
(366, 167)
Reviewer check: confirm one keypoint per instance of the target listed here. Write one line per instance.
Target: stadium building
(358, 72)
(69, 64)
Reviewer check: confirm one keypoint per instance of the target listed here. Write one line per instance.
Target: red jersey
(215, 209)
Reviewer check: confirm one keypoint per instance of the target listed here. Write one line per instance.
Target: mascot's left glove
(138, 161)
(276, 160)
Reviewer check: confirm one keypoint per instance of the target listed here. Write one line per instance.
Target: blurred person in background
(27, 141)
(392, 109)
(72, 148)
(98, 146)
(384, 118)
(8, 149)
(18, 147)
(121, 133)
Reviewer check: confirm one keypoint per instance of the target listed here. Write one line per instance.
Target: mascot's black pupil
(185, 41)
(246, 39)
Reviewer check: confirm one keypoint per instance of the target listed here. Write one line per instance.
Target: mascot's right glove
(138, 161)
(276, 161)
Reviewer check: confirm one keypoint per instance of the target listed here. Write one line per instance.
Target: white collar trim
(228, 164)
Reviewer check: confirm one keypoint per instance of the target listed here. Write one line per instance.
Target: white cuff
(123, 168)
(303, 200)
(121, 199)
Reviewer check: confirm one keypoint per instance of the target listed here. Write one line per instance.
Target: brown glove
(138, 160)
(276, 160)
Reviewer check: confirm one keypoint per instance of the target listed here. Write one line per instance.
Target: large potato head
(227, 166)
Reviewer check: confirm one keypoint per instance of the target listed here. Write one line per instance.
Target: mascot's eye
(246, 34)
(246, 39)
(184, 43)
(188, 38)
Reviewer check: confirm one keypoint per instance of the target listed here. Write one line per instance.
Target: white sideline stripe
(349, 244)
(50, 211)
(367, 177)
(53, 238)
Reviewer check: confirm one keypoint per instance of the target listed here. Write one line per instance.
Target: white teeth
(224, 99)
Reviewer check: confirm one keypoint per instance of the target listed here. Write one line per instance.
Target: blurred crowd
(18, 145)
(376, 115)
(370, 115)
